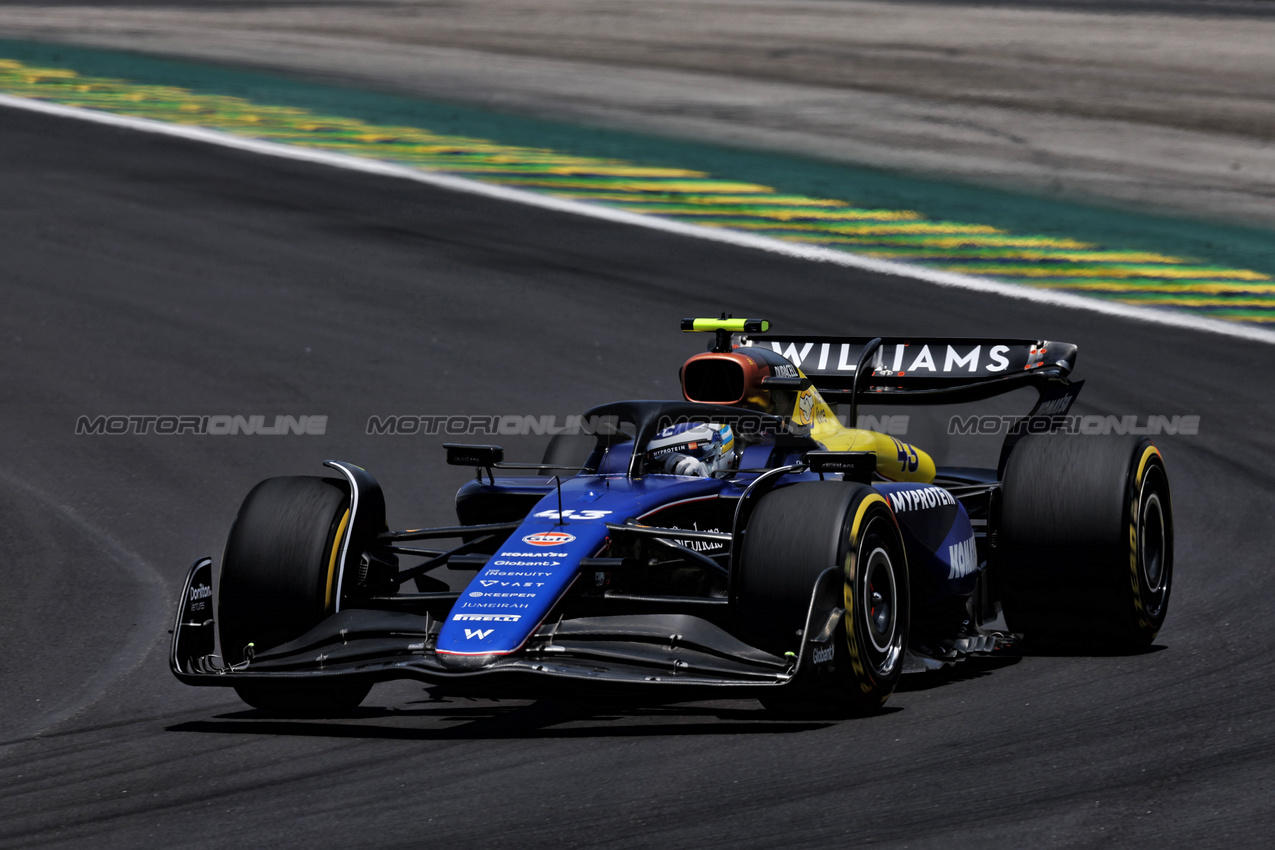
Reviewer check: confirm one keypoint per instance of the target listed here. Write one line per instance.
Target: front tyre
(793, 536)
(278, 580)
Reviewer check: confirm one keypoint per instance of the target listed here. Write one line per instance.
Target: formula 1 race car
(739, 541)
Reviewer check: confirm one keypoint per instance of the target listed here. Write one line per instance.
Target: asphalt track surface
(147, 275)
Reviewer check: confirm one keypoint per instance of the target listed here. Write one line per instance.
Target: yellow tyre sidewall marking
(1135, 583)
(851, 578)
(336, 550)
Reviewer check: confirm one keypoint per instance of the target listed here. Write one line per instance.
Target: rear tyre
(793, 536)
(1086, 541)
(279, 579)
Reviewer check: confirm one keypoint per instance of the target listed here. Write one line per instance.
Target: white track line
(730, 237)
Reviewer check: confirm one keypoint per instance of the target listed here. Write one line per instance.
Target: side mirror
(485, 457)
(853, 466)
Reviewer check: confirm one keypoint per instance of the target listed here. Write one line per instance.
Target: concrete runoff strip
(745, 240)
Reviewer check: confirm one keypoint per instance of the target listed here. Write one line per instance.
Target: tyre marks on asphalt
(58, 671)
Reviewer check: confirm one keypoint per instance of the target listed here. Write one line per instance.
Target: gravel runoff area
(1160, 106)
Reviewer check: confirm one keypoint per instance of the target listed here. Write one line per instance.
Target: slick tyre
(793, 536)
(1086, 541)
(279, 579)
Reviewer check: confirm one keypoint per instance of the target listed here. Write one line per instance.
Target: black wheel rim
(1153, 546)
(879, 602)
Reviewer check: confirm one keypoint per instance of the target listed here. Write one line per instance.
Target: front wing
(652, 653)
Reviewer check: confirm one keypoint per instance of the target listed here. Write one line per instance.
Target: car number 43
(572, 513)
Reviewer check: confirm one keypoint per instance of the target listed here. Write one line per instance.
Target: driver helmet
(691, 448)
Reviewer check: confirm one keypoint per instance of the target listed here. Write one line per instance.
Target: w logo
(481, 634)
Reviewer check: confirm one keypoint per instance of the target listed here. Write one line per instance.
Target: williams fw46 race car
(741, 541)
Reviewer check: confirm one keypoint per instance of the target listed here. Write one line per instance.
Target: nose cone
(465, 663)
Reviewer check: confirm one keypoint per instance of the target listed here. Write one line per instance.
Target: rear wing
(922, 370)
